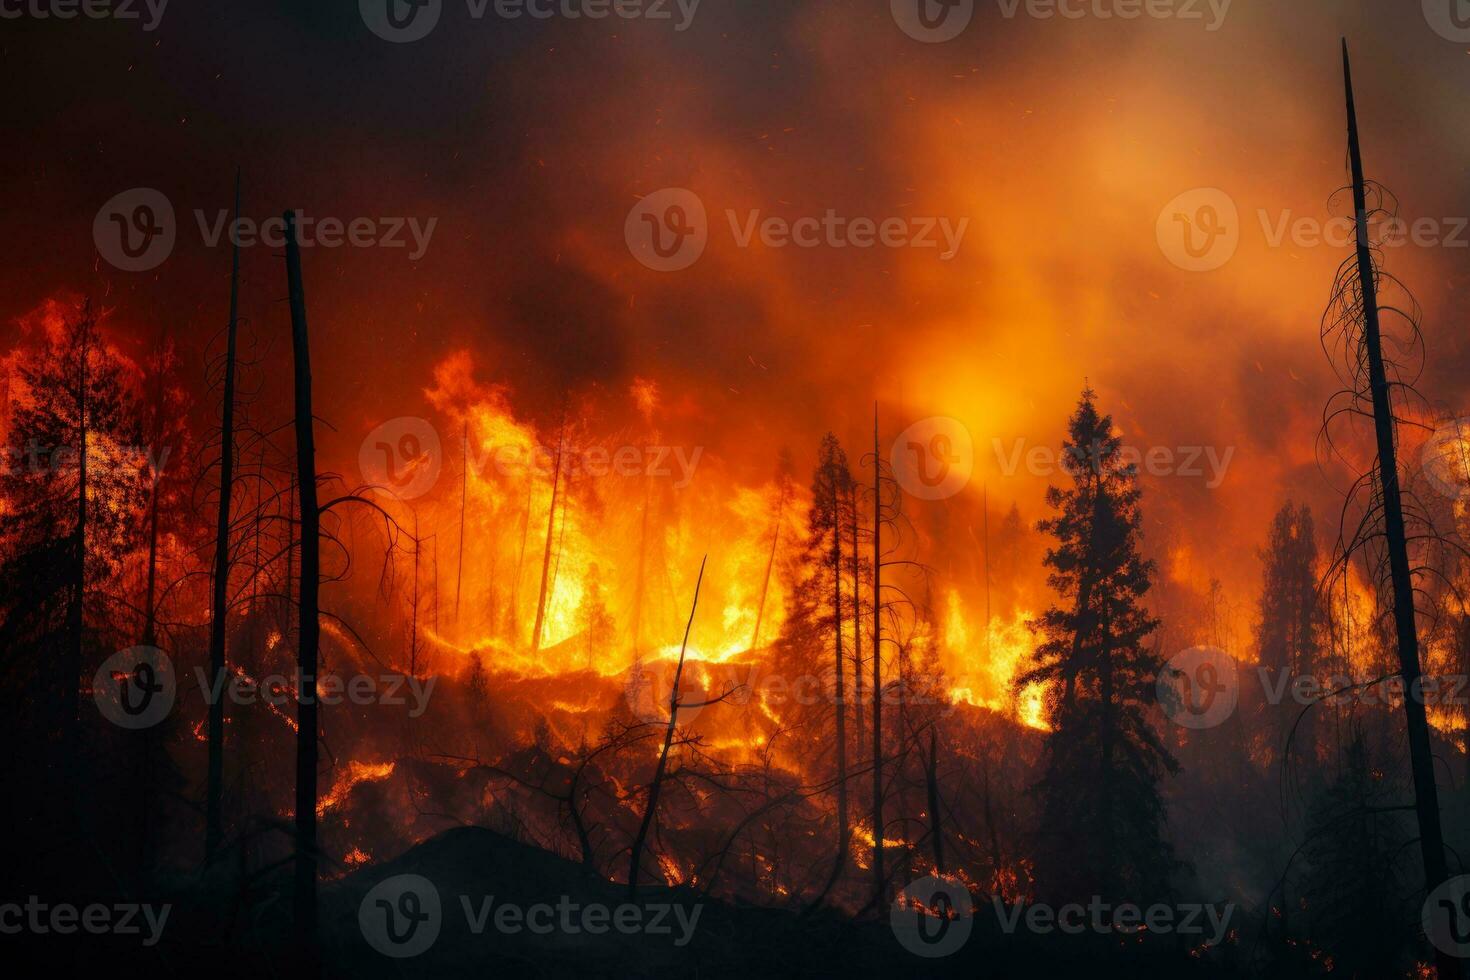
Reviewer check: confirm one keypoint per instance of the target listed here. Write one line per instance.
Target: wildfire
(356, 772)
(983, 669)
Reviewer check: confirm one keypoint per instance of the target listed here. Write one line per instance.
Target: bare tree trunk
(857, 622)
(75, 621)
(218, 612)
(638, 586)
(1421, 759)
(150, 611)
(650, 810)
(464, 489)
(309, 632)
(760, 609)
(841, 709)
(879, 886)
(931, 773)
(550, 537)
(515, 585)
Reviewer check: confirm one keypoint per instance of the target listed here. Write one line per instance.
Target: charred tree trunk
(841, 670)
(931, 773)
(75, 620)
(639, 584)
(760, 608)
(1421, 759)
(651, 809)
(550, 539)
(150, 611)
(878, 876)
(309, 632)
(857, 620)
(214, 789)
(464, 489)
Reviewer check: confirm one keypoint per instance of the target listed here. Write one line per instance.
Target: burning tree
(1374, 346)
(1101, 821)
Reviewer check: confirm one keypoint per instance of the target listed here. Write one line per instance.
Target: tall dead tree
(837, 480)
(877, 652)
(651, 808)
(783, 490)
(1421, 756)
(857, 616)
(71, 690)
(464, 489)
(550, 539)
(309, 631)
(219, 599)
(155, 465)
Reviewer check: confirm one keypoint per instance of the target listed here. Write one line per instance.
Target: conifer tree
(1101, 819)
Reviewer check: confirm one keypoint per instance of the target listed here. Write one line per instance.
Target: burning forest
(657, 489)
